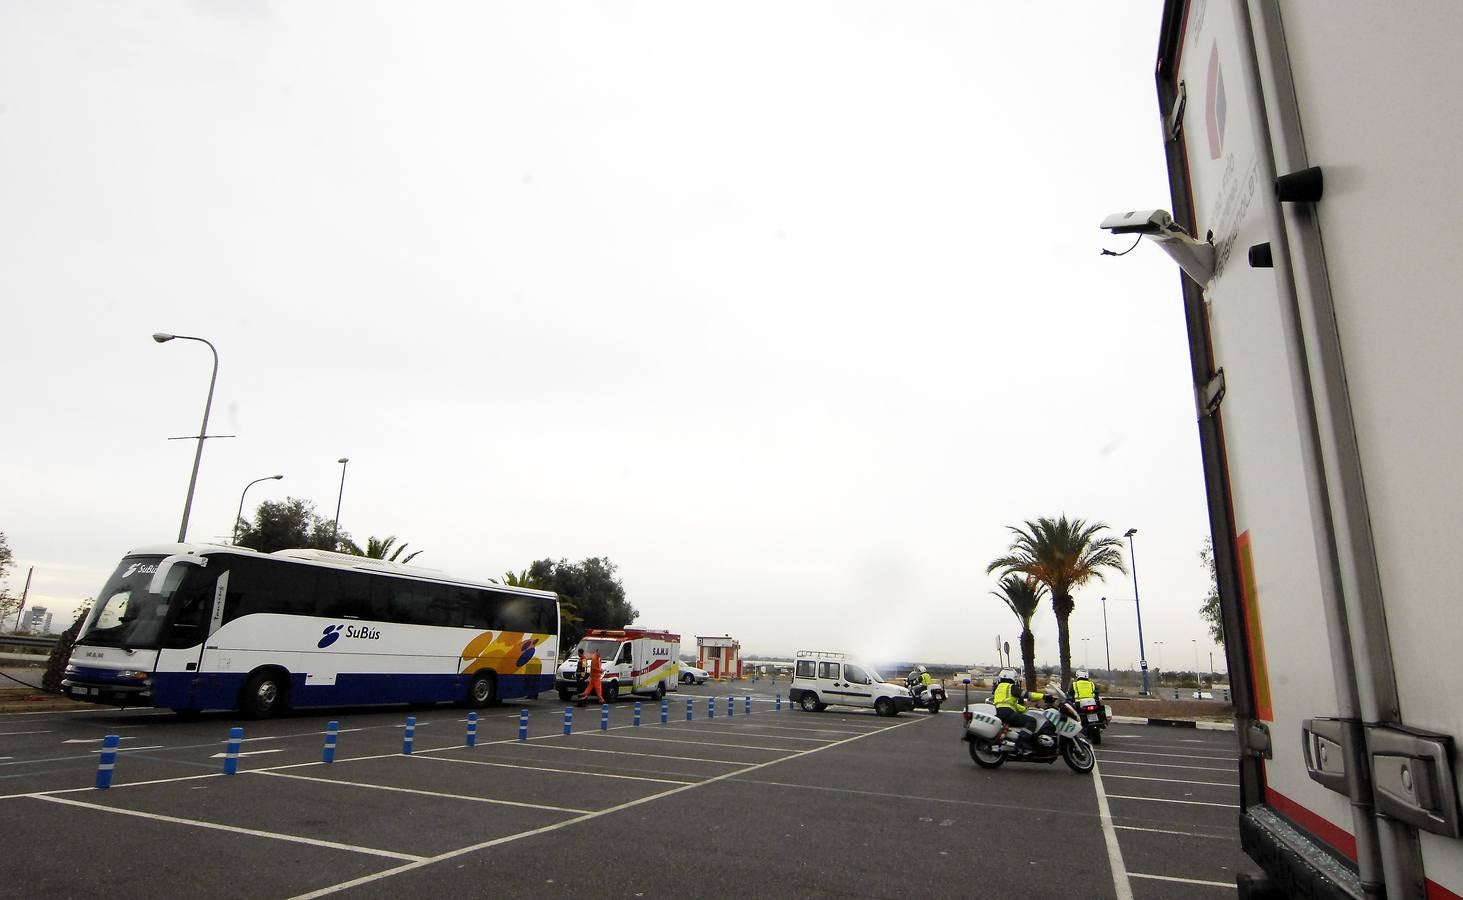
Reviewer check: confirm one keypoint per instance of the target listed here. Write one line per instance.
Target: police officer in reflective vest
(1010, 708)
(1082, 686)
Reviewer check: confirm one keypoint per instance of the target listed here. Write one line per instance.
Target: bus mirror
(160, 577)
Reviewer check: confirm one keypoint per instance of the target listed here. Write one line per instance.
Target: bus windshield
(125, 614)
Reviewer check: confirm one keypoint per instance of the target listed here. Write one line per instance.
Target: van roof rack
(821, 654)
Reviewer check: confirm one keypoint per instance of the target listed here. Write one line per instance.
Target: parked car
(692, 675)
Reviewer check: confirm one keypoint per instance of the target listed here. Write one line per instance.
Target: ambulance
(642, 661)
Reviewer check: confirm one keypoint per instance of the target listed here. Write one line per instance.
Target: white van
(821, 679)
(636, 661)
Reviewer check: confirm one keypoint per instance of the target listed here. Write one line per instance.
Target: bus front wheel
(263, 695)
(483, 691)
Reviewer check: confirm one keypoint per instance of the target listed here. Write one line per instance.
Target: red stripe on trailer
(1436, 891)
(1338, 838)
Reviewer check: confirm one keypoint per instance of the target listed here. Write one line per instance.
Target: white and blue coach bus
(195, 626)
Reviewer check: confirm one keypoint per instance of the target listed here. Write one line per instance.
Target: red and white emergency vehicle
(643, 661)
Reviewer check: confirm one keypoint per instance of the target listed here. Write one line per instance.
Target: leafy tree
(1063, 554)
(588, 591)
(1209, 609)
(1023, 595)
(290, 524)
(9, 605)
(61, 653)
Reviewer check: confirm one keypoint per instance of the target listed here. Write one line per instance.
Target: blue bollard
(523, 724)
(231, 753)
(731, 706)
(748, 710)
(710, 707)
(332, 730)
(778, 707)
(637, 713)
(410, 735)
(688, 709)
(568, 720)
(604, 717)
(665, 711)
(472, 729)
(107, 762)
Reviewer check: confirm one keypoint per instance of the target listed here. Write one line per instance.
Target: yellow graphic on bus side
(504, 652)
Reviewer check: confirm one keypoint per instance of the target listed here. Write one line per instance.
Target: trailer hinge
(1175, 119)
(1211, 394)
(1412, 777)
(1257, 740)
(1335, 755)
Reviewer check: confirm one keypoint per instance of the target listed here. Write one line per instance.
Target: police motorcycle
(1058, 733)
(1094, 714)
(929, 697)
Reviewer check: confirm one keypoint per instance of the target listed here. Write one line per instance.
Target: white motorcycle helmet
(1007, 675)
(1082, 673)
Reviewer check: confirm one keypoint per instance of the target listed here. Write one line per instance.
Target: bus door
(195, 612)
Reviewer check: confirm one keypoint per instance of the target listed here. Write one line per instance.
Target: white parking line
(1212, 837)
(247, 753)
(1151, 765)
(1185, 802)
(1170, 755)
(480, 762)
(1223, 784)
(775, 737)
(723, 744)
(1122, 887)
(812, 730)
(296, 839)
(13, 733)
(453, 854)
(724, 762)
(1218, 884)
(383, 787)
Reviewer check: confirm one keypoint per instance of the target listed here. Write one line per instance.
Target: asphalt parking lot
(775, 804)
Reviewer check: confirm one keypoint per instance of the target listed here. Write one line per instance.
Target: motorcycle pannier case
(983, 721)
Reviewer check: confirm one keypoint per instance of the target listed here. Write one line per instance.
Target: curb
(1173, 723)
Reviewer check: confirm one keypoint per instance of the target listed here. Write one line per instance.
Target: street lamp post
(1197, 683)
(1142, 657)
(1086, 659)
(335, 527)
(1105, 640)
(240, 514)
(163, 338)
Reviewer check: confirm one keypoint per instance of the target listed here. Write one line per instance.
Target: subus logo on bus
(139, 567)
(332, 634)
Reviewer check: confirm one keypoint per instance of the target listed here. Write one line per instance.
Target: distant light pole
(163, 338)
(1105, 640)
(1195, 642)
(240, 514)
(1142, 657)
(335, 527)
(1085, 656)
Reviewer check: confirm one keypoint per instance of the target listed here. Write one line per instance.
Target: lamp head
(343, 460)
(1130, 532)
(275, 477)
(162, 337)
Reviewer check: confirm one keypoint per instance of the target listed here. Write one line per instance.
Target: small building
(720, 656)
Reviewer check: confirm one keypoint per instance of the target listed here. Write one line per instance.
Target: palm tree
(377, 548)
(1063, 554)
(1024, 595)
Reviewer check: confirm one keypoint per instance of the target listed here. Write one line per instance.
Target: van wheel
(612, 692)
(809, 703)
(885, 707)
(483, 691)
(263, 695)
(565, 694)
(660, 690)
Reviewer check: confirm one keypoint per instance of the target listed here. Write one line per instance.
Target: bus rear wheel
(482, 691)
(263, 695)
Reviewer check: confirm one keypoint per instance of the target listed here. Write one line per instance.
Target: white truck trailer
(1313, 155)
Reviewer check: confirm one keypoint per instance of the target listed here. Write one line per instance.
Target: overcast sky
(787, 308)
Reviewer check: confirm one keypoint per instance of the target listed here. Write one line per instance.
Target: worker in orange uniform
(596, 685)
